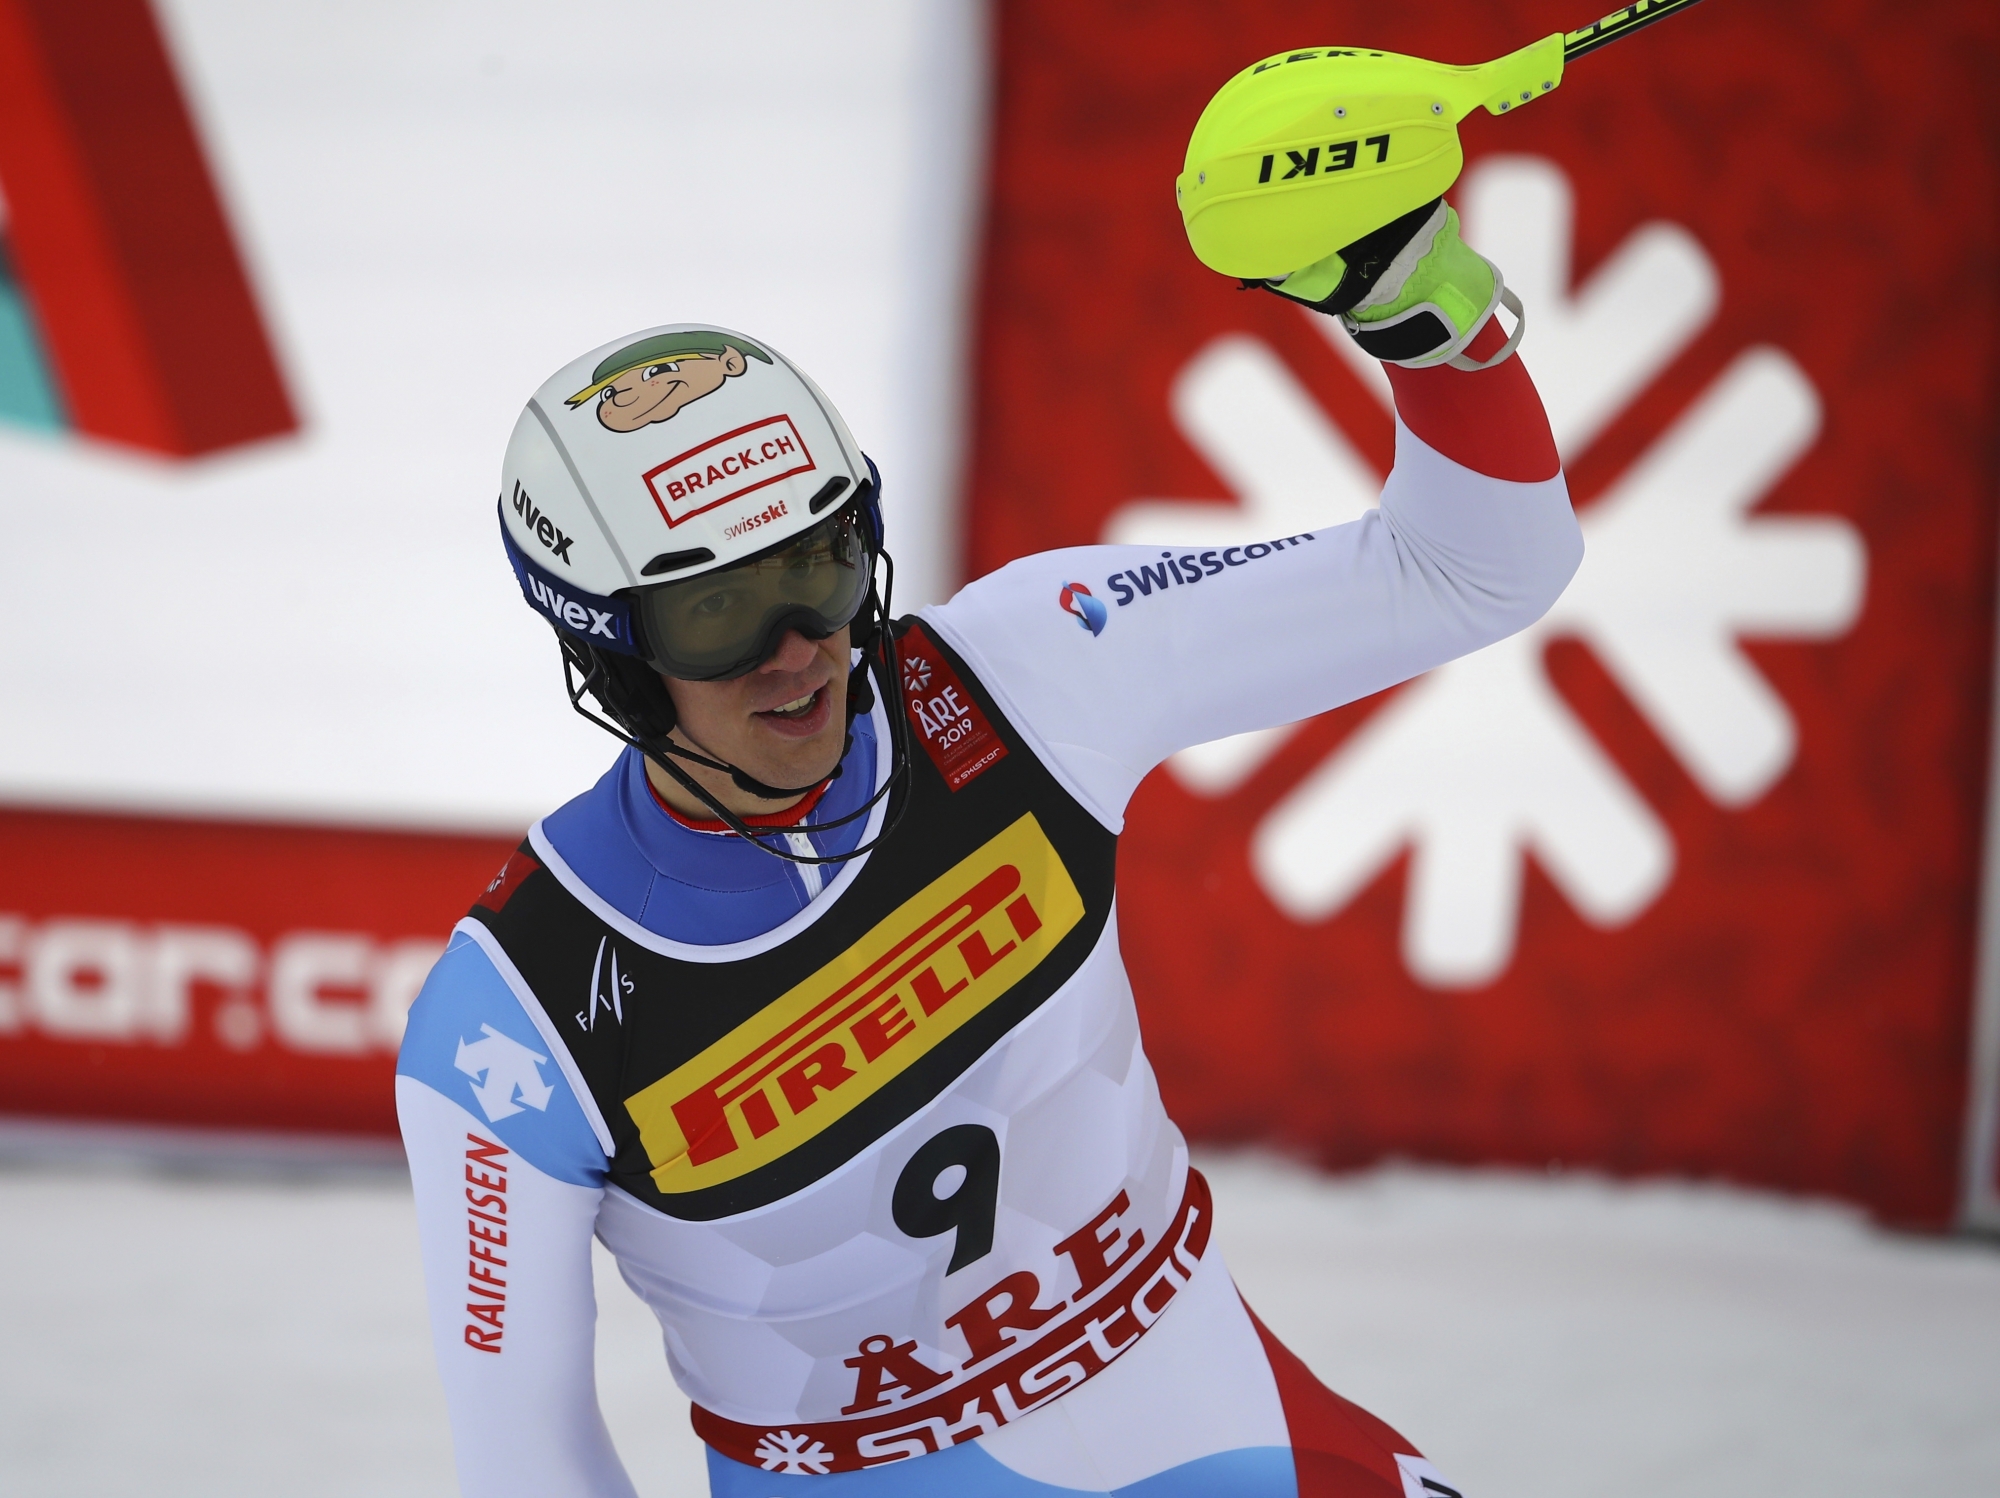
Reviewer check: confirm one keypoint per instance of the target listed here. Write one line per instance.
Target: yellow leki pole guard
(1307, 151)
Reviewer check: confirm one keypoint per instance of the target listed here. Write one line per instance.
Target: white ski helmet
(641, 473)
(674, 452)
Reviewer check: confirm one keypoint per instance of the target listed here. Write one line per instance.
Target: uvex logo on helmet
(540, 526)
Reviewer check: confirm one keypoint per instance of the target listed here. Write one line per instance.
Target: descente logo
(569, 612)
(1191, 567)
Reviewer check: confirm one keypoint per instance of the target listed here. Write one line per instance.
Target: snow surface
(217, 1334)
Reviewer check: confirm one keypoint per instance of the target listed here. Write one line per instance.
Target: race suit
(877, 1141)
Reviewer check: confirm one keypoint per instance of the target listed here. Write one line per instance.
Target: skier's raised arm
(1172, 647)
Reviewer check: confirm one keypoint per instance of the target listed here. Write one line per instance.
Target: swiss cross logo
(1480, 764)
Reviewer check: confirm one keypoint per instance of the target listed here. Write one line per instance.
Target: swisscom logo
(1080, 604)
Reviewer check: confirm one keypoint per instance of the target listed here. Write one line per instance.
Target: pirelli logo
(813, 1055)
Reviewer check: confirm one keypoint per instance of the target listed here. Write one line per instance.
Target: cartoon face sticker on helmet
(653, 379)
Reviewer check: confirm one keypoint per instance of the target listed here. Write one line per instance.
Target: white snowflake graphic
(788, 1451)
(1481, 763)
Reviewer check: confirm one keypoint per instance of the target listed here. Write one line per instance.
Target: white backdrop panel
(439, 203)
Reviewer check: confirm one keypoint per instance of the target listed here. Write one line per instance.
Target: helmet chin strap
(743, 780)
(657, 751)
(879, 654)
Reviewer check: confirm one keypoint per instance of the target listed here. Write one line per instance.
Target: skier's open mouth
(801, 717)
(796, 709)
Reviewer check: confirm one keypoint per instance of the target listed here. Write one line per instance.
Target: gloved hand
(1411, 293)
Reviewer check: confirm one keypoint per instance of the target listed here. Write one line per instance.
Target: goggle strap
(606, 623)
(576, 688)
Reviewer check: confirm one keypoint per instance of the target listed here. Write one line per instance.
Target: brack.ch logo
(728, 467)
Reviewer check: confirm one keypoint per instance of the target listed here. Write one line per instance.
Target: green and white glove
(1411, 293)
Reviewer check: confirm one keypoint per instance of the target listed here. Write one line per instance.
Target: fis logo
(608, 989)
(1078, 602)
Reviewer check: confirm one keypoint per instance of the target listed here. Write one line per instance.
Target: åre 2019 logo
(954, 732)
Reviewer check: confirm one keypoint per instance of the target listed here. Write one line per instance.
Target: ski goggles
(727, 623)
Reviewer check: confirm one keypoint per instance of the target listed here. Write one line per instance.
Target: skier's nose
(794, 653)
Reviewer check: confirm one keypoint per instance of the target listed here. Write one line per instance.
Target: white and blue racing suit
(766, 1313)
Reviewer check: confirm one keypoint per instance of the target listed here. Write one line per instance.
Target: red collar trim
(790, 817)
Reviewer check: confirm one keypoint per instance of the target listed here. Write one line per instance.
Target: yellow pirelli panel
(812, 1055)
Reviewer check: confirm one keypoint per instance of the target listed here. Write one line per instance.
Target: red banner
(1683, 879)
(220, 974)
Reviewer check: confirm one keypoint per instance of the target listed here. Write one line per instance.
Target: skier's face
(784, 724)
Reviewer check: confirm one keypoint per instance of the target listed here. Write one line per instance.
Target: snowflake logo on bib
(916, 674)
(788, 1451)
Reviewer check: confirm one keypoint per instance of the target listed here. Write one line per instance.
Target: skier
(812, 1010)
